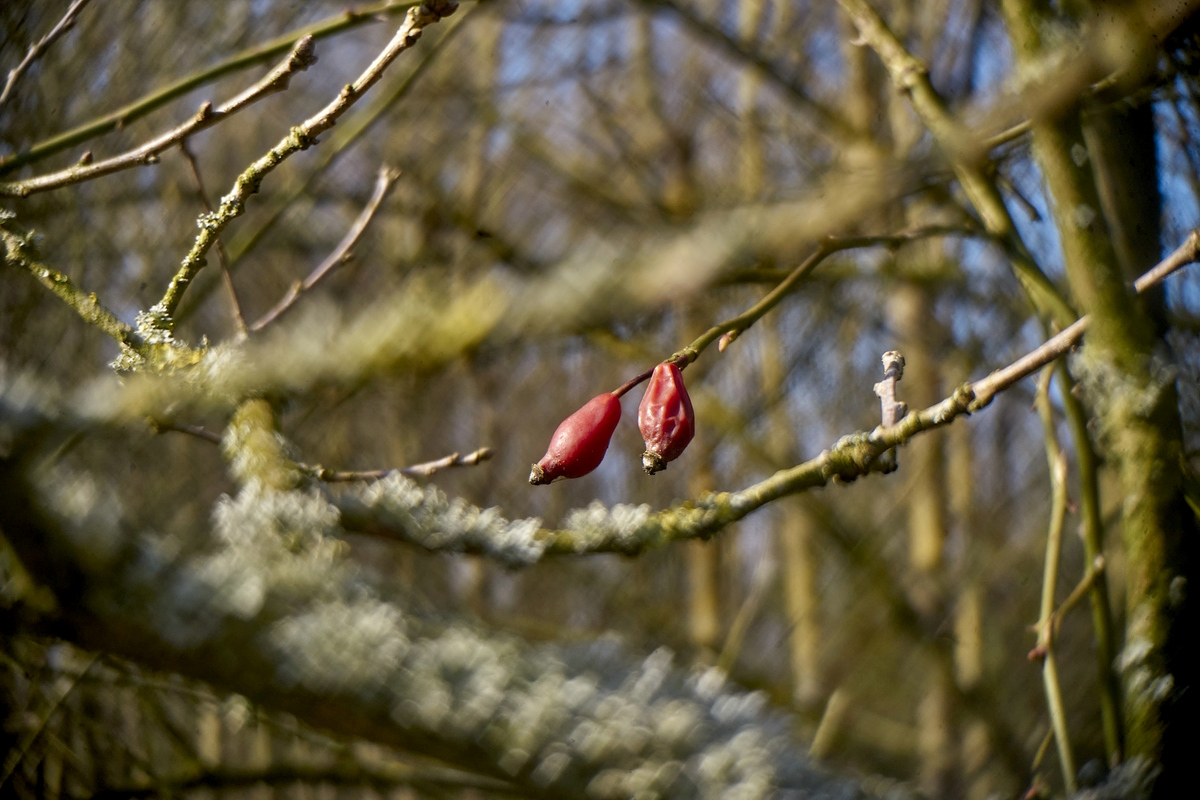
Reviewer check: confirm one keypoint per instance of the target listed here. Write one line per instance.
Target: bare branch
(40, 46)
(300, 138)
(729, 330)
(226, 278)
(19, 252)
(300, 59)
(340, 255)
(398, 509)
(910, 76)
(350, 18)
(161, 426)
(423, 470)
(1045, 628)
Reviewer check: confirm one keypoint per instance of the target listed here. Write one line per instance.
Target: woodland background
(578, 190)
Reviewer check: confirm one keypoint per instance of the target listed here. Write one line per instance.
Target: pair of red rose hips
(665, 418)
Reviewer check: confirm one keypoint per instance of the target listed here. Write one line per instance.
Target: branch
(162, 426)
(397, 508)
(827, 120)
(39, 47)
(911, 78)
(315, 638)
(337, 23)
(729, 330)
(1045, 642)
(345, 134)
(300, 59)
(301, 138)
(340, 255)
(18, 252)
(226, 278)
(423, 470)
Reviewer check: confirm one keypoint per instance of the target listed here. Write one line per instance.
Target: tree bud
(665, 418)
(579, 444)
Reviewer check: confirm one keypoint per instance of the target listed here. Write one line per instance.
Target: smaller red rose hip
(579, 444)
(665, 418)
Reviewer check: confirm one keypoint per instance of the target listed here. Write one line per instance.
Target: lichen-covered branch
(226, 276)
(301, 137)
(19, 252)
(300, 59)
(350, 18)
(313, 636)
(396, 507)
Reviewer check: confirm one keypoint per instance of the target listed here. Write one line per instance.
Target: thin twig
(257, 54)
(1091, 531)
(226, 278)
(348, 131)
(1055, 347)
(20, 253)
(15, 757)
(729, 330)
(851, 457)
(910, 76)
(763, 572)
(300, 59)
(831, 723)
(340, 255)
(1045, 642)
(1094, 572)
(303, 136)
(423, 470)
(161, 426)
(40, 46)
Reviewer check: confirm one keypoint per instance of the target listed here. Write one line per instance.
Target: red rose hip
(665, 418)
(579, 444)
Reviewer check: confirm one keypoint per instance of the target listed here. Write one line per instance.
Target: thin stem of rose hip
(730, 329)
(625, 387)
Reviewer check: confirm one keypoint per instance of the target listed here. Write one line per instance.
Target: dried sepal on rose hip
(665, 418)
(579, 444)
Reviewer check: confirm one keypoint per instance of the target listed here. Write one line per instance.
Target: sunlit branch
(40, 46)
(1045, 627)
(300, 138)
(226, 278)
(732, 328)
(345, 134)
(422, 470)
(401, 511)
(340, 255)
(19, 253)
(300, 59)
(257, 54)
(911, 78)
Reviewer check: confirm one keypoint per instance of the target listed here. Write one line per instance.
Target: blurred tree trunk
(794, 536)
(1133, 395)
